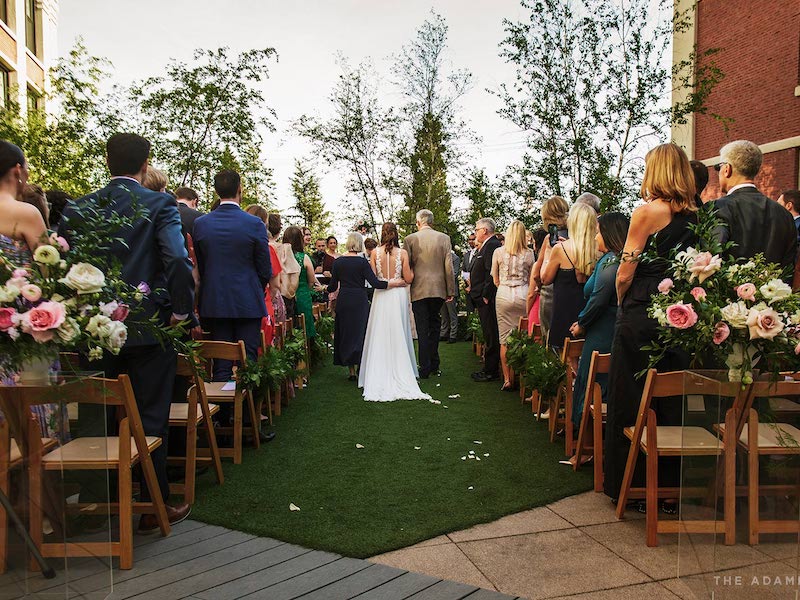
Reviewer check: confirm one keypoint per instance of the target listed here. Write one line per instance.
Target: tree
(359, 136)
(483, 201)
(199, 114)
(65, 144)
(308, 205)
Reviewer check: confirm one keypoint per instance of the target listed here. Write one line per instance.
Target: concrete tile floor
(576, 548)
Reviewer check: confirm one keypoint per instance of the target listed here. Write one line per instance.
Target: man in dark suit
(153, 257)
(790, 200)
(754, 222)
(187, 206)
(232, 252)
(483, 291)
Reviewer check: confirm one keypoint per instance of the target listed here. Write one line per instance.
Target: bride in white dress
(388, 364)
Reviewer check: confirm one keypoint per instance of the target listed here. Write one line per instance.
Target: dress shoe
(265, 436)
(485, 377)
(175, 514)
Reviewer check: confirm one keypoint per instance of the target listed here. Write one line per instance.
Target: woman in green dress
(294, 237)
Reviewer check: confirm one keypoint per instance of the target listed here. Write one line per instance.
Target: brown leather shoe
(175, 514)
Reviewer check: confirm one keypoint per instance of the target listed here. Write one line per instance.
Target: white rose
(795, 318)
(8, 293)
(95, 353)
(775, 289)
(660, 316)
(99, 326)
(107, 308)
(117, 336)
(84, 278)
(736, 314)
(46, 255)
(69, 330)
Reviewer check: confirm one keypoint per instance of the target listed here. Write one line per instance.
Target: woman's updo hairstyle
(10, 157)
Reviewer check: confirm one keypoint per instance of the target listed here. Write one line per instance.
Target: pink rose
(17, 282)
(31, 292)
(665, 286)
(120, 313)
(746, 291)
(681, 316)
(59, 241)
(19, 274)
(721, 332)
(42, 321)
(698, 294)
(764, 324)
(6, 318)
(143, 288)
(704, 266)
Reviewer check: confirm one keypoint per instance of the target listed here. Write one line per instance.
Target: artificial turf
(387, 495)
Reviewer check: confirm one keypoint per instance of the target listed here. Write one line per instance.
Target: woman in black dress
(658, 227)
(349, 273)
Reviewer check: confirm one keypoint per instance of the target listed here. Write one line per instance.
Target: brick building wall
(760, 57)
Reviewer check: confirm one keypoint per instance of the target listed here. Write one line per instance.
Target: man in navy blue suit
(151, 253)
(232, 252)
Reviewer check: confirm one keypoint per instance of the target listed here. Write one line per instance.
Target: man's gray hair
(590, 200)
(425, 217)
(743, 156)
(488, 223)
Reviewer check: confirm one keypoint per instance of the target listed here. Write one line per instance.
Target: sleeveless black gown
(568, 302)
(634, 329)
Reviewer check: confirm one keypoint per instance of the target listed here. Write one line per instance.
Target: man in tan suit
(434, 282)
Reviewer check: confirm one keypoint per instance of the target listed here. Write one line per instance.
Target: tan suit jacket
(429, 256)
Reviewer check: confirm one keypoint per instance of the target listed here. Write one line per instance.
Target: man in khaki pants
(434, 282)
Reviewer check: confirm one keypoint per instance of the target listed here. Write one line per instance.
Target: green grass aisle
(388, 495)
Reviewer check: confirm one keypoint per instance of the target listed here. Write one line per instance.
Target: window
(30, 26)
(33, 100)
(4, 11)
(4, 77)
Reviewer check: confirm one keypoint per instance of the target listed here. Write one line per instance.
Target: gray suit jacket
(429, 253)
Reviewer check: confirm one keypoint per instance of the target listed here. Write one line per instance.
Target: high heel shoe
(507, 387)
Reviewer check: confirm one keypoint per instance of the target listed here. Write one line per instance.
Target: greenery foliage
(308, 205)
(474, 327)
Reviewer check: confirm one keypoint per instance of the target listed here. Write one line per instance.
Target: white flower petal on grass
(417, 447)
(359, 446)
(477, 458)
(470, 488)
(476, 442)
(454, 396)
(486, 454)
(438, 385)
(463, 458)
(293, 507)
(472, 451)
(444, 407)
(448, 439)
(432, 401)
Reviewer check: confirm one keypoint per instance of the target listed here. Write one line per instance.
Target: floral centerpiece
(726, 311)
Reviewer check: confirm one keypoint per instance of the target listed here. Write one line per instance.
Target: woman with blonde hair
(554, 218)
(660, 226)
(511, 271)
(155, 179)
(571, 263)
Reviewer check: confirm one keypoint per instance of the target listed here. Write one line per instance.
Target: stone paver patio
(576, 548)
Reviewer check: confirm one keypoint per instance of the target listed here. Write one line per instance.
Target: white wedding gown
(388, 364)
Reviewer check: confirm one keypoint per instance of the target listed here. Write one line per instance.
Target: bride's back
(388, 265)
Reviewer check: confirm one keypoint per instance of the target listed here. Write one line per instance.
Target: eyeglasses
(718, 166)
(479, 228)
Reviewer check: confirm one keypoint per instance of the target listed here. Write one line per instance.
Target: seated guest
(570, 265)
(350, 273)
(33, 194)
(752, 221)
(155, 179)
(700, 180)
(596, 321)
(57, 201)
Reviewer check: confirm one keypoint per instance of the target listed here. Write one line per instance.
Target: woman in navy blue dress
(349, 273)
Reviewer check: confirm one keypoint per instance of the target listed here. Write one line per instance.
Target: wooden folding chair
(759, 439)
(656, 441)
(186, 415)
(121, 453)
(569, 356)
(596, 409)
(214, 391)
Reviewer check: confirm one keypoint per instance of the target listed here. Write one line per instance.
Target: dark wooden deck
(205, 562)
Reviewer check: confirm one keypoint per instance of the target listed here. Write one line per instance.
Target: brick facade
(760, 57)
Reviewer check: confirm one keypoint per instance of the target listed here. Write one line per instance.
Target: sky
(140, 36)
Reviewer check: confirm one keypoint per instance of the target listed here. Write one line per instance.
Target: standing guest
(318, 255)
(290, 270)
(187, 207)
(306, 238)
(588, 199)
(483, 291)
(790, 200)
(669, 211)
(350, 274)
(466, 265)
(153, 253)
(307, 280)
(369, 245)
(449, 311)
(532, 301)
(700, 172)
(571, 263)
(554, 217)
(276, 311)
(234, 263)
(155, 179)
(34, 195)
(331, 244)
(754, 222)
(58, 200)
(596, 321)
(429, 255)
(511, 271)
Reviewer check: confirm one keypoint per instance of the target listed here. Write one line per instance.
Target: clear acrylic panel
(64, 510)
(731, 564)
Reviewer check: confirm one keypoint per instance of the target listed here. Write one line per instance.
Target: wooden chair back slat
(222, 350)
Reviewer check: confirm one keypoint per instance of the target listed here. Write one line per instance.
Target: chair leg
(125, 490)
(569, 443)
(752, 477)
(651, 492)
(237, 431)
(255, 420)
(35, 503)
(729, 511)
(583, 433)
(211, 437)
(597, 440)
(553, 420)
(191, 455)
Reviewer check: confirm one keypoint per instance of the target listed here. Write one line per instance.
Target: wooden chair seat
(784, 405)
(214, 391)
(773, 438)
(93, 453)
(604, 410)
(681, 441)
(15, 455)
(179, 413)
